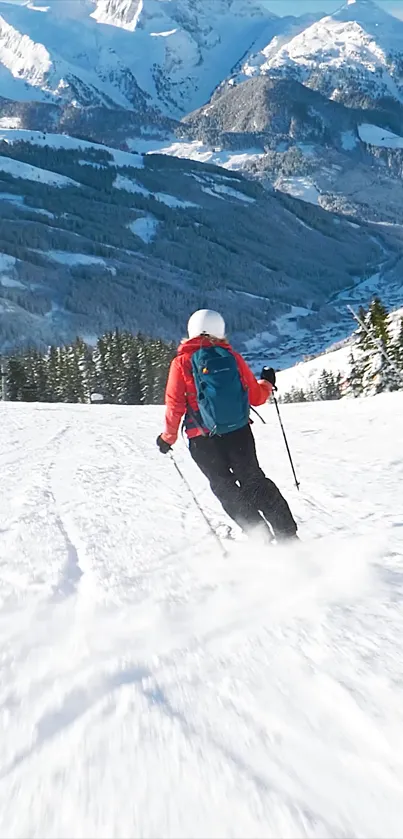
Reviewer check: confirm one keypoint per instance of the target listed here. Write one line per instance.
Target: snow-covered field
(196, 150)
(299, 187)
(376, 136)
(145, 227)
(307, 373)
(150, 687)
(64, 141)
(18, 169)
(66, 258)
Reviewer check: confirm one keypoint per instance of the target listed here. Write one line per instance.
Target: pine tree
(365, 342)
(355, 378)
(295, 395)
(113, 370)
(132, 371)
(146, 381)
(85, 373)
(124, 368)
(379, 320)
(40, 374)
(397, 354)
(328, 387)
(16, 379)
(36, 377)
(53, 393)
(380, 375)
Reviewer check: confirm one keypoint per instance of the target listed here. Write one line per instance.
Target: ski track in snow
(150, 687)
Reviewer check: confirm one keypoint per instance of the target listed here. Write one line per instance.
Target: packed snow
(376, 136)
(26, 171)
(146, 228)
(152, 687)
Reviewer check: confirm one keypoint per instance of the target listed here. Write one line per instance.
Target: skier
(213, 387)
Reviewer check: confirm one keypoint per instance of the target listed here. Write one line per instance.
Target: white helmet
(206, 322)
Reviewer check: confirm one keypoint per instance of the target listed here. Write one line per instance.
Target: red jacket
(181, 389)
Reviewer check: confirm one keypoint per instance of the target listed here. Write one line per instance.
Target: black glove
(269, 375)
(163, 446)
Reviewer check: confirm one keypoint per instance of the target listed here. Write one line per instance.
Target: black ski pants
(236, 479)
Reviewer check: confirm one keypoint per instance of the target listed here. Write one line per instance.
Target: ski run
(151, 687)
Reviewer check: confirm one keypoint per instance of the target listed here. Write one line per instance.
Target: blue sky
(298, 7)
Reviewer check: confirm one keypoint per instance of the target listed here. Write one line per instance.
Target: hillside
(316, 112)
(151, 688)
(305, 144)
(335, 360)
(353, 56)
(94, 238)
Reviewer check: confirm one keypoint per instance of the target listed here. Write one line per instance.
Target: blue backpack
(222, 400)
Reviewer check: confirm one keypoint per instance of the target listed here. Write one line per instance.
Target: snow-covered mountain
(150, 687)
(354, 56)
(48, 56)
(317, 113)
(85, 231)
(166, 54)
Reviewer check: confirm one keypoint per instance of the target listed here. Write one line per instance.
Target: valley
(213, 151)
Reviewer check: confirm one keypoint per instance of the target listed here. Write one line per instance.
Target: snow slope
(376, 136)
(307, 373)
(145, 227)
(63, 141)
(150, 687)
(196, 150)
(19, 169)
(126, 53)
(358, 49)
(335, 360)
(300, 187)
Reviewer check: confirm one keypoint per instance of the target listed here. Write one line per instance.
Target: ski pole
(199, 507)
(297, 483)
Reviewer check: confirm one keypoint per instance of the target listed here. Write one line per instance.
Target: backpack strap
(193, 415)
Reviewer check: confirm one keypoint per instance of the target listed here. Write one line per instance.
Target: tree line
(122, 368)
(375, 361)
(129, 369)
